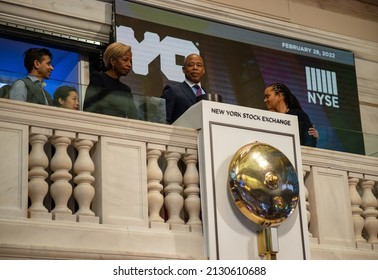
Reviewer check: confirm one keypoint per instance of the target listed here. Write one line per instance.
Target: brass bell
(264, 185)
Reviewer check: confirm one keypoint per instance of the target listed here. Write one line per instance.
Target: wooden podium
(223, 129)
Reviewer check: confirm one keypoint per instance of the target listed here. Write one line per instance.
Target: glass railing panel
(371, 144)
(124, 104)
(350, 141)
(103, 101)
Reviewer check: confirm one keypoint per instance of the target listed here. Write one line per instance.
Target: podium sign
(223, 129)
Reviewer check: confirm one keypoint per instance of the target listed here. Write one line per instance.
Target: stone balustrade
(341, 191)
(81, 185)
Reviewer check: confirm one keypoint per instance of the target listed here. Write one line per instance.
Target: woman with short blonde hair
(106, 94)
(114, 51)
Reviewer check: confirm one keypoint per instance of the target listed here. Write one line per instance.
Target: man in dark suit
(181, 96)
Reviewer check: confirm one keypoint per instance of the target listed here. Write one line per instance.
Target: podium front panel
(223, 129)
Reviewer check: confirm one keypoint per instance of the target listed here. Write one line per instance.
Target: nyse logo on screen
(151, 47)
(322, 87)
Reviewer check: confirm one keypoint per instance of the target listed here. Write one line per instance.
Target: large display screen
(240, 63)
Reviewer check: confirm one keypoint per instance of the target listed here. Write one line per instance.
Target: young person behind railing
(66, 97)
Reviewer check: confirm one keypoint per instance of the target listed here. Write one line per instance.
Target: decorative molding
(88, 22)
(367, 9)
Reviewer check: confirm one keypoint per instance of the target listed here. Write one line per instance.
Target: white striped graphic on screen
(320, 80)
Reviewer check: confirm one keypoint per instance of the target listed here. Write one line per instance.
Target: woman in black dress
(278, 98)
(106, 94)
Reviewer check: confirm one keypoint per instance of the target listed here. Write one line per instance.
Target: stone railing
(81, 185)
(342, 204)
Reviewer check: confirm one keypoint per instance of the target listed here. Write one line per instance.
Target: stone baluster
(173, 190)
(61, 164)
(38, 162)
(369, 204)
(306, 171)
(356, 201)
(191, 192)
(84, 191)
(154, 187)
